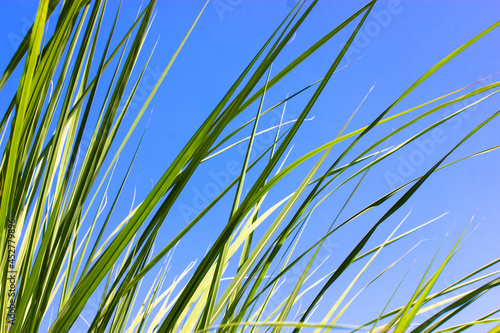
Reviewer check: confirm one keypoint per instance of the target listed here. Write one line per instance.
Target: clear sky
(400, 41)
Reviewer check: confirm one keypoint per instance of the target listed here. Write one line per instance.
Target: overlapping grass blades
(49, 186)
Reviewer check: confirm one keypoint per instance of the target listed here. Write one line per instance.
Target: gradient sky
(400, 41)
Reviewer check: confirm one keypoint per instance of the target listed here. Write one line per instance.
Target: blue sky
(400, 41)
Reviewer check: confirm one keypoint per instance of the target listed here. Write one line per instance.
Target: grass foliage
(53, 188)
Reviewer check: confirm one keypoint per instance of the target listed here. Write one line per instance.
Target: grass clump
(60, 204)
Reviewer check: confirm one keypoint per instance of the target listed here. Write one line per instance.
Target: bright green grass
(49, 194)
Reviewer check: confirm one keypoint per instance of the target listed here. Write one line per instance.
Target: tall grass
(53, 187)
